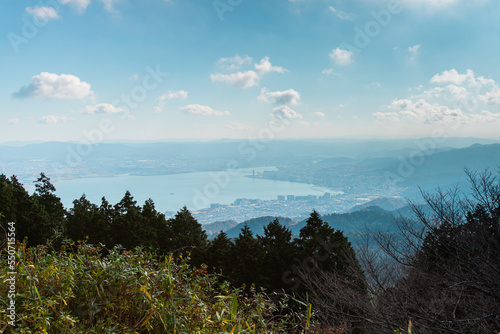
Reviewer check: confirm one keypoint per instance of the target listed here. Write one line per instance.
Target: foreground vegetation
(78, 290)
(141, 273)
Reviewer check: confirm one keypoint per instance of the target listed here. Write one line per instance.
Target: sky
(105, 70)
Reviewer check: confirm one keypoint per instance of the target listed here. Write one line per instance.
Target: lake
(193, 190)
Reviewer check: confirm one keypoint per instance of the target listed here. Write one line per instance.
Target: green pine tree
(185, 234)
(219, 253)
(247, 259)
(279, 252)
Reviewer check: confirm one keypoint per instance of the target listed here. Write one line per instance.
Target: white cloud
(486, 116)
(102, 108)
(108, 5)
(329, 72)
(234, 63)
(340, 14)
(58, 86)
(467, 85)
(80, 5)
(287, 97)
(319, 114)
(171, 95)
(458, 93)
(285, 112)
(422, 111)
(239, 79)
(196, 109)
(387, 116)
(13, 121)
(451, 76)
(44, 13)
(244, 79)
(464, 98)
(342, 57)
(491, 97)
(52, 119)
(237, 126)
(414, 52)
(265, 66)
(175, 95)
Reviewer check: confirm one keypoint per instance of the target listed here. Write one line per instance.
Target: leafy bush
(77, 289)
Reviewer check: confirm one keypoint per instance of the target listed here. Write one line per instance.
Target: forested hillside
(105, 267)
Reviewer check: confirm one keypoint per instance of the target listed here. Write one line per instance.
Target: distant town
(295, 207)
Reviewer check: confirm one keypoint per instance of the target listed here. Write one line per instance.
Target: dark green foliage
(126, 228)
(186, 235)
(49, 205)
(279, 253)
(219, 253)
(85, 220)
(330, 274)
(328, 248)
(246, 259)
(38, 216)
(16, 205)
(153, 227)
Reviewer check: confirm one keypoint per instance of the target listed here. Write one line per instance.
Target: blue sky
(77, 70)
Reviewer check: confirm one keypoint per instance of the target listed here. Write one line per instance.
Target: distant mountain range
(357, 220)
(388, 204)
(403, 173)
(76, 160)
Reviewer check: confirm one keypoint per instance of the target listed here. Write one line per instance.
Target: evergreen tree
(16, 206)
(153, 230)
(14, 203)
(85, 220)
(107, 216)
(219, 253)
(47, 210)
(185, 234)
(80, 219)
(125, 228)
(38, 216)
(330, 273)
(279, 252)
(327, 248)
(247, 259)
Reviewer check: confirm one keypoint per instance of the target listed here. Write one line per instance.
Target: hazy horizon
(214, 140)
